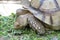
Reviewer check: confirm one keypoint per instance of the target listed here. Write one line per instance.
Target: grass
(7, 31)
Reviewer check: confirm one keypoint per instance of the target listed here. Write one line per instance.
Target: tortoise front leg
(36, 25)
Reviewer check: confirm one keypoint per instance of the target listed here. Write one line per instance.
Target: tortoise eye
(17, 25)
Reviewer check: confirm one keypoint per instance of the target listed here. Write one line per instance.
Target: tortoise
(40, 14)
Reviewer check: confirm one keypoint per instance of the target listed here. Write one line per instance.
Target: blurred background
(8, 7)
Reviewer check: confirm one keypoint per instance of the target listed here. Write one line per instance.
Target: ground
(7, 31)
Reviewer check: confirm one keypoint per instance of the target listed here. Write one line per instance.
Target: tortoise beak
(16, 25)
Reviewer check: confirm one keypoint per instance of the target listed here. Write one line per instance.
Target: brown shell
(44, 4)
(50, 12)
(35, 3)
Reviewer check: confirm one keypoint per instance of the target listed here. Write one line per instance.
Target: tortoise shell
(48, 11)
(45, 4)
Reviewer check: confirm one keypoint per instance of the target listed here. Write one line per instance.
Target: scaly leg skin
(36, 25)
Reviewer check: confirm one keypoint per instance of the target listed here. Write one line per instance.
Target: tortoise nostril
(16, 24)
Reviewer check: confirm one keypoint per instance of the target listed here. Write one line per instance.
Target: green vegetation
(7, 31)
